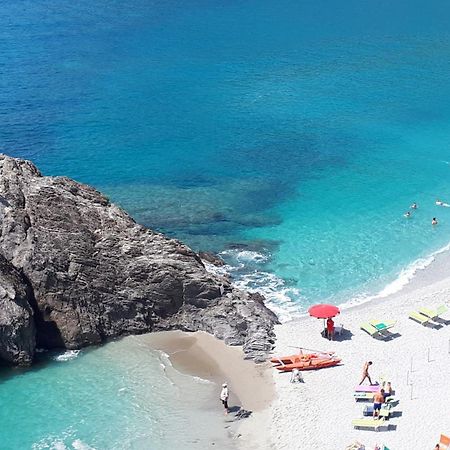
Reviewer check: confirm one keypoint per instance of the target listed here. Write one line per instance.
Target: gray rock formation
(17, 329)
(77, 270)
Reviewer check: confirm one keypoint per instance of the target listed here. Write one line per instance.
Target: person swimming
(407, 214)
(414, 206)
(434, 221)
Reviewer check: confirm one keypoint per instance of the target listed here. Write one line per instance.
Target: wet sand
(251, 385)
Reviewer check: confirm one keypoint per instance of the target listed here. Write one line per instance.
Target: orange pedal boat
(308, 361)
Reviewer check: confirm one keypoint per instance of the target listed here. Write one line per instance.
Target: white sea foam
(216, 270)
(67, 355)
(202, 380)
(58, 445)
(250, 256)
(279, 297)
(284, 300)
(57, 442)
(403, 279)
(80, 445)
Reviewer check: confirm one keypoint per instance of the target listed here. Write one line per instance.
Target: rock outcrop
(76, 270)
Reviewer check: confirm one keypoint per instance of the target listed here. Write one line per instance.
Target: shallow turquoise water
(120, 396)
(289, 136)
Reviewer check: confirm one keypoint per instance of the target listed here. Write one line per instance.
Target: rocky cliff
(76, 270)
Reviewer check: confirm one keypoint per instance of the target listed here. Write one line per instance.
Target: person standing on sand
(366, 372)
(330, 328)
(378, 400)
(224, 397)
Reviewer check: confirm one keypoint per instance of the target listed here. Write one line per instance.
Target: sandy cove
(251, 385)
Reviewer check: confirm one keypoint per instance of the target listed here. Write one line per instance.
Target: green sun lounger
(433, 313)
(377, 327)
(383, 325)
(373, 424)
(385, 411)
(418, 317)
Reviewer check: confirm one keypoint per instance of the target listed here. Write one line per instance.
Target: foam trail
(67, 355)
(403, 279)
(80, 445)
(245, 269)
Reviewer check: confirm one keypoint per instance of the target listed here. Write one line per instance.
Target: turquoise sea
(288, 136)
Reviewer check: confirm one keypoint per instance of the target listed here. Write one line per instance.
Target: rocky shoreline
(76, 270)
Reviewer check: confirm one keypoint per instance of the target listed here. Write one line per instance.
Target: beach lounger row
(374, 423)
(426, 316)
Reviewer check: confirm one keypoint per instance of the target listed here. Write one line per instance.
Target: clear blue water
(291, 136)
(120, 396)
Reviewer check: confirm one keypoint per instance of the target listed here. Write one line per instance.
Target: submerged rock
(77, 270)
(212, 258)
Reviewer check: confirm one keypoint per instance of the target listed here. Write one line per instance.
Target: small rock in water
(212, 258)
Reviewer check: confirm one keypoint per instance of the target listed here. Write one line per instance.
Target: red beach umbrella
(323, 311)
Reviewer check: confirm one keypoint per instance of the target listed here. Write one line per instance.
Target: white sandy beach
(318, 412)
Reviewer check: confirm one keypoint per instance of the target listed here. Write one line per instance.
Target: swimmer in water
(434, 221)
(414, 205)
(439, 203)
(407, 214)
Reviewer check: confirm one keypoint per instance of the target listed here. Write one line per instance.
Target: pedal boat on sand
(305, 361)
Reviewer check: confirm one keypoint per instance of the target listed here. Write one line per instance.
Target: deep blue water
(301, 129)
(290, 136)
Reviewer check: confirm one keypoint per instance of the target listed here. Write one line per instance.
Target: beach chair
(433, 313)
(383, 325)
(418, 317)
(368, 388)
(444, 442)
(363, 396)
(373, 424)
(385, 411)
(368, 328)
(377, 328)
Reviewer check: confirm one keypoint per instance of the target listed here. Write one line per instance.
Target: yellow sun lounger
(373, 424)
(433, 313)
(418, 317)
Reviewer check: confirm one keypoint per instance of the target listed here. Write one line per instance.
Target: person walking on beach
(378, 400)
(366, 372)
(224, 397)
(330, 328)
